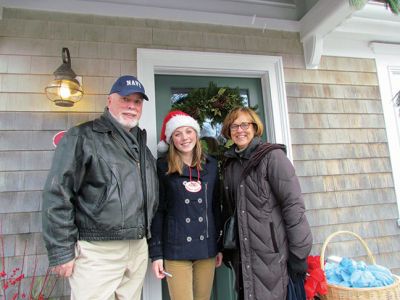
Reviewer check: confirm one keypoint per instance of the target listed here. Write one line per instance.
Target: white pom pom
(162, 146)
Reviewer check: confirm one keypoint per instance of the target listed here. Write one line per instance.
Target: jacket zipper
(122, 145)
(205, 185)
(140, 176)
(273, 238)
(138, 164)
(140, 173)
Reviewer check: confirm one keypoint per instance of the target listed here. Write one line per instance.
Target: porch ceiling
(325, 26)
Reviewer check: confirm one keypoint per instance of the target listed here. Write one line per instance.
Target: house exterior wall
(338, 134)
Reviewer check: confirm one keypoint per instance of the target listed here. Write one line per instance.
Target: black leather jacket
(94, 190)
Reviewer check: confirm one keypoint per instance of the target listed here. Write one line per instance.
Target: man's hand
(64, 270)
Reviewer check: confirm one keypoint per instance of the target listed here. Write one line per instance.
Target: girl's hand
(158, 268)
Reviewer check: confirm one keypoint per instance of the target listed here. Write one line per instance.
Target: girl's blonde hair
(175, 162)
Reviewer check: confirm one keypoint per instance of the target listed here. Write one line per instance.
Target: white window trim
(387, 60)
(268, 68)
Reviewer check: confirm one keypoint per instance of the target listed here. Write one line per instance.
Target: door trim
(174, 62)
(388, 62)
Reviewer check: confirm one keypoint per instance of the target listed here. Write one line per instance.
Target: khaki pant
(191, 280)
(106, 270)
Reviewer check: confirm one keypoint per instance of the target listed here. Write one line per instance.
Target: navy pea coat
(187, 224)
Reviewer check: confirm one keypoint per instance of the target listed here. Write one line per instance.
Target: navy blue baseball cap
(127, 85)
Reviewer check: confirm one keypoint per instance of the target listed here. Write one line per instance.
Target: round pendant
(192, 186)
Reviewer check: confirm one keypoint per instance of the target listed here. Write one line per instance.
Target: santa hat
(172, 121)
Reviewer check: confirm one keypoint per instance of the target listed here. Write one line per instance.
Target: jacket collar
(246, 153)
(102, 124)
(203, 172)
(163, 164)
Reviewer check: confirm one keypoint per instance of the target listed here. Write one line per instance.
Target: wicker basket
(337, 292)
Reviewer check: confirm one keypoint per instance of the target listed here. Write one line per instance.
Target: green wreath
(213, 103)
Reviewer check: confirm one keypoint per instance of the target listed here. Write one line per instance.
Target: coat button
(201, 237)
(189, 239)
(187, 220)
(187, 201)
(245, 238)
(242, 211)
(200, 219)
(200, 200)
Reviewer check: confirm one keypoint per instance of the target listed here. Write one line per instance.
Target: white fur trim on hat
(172, 121)
(162, 146)
(179, 121)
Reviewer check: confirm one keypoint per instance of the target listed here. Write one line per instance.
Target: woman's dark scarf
(259, 154)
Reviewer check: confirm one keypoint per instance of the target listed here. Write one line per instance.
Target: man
(99, 199)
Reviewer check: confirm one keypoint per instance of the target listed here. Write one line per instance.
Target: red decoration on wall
(57, 137)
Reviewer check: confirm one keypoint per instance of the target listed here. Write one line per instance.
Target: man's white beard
(125, 123)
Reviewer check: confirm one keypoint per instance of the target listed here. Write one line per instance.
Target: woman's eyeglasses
(243, 125)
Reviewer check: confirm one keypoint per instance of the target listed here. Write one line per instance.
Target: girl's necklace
(193, 186)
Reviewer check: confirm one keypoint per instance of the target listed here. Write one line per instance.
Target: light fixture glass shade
(64, 90)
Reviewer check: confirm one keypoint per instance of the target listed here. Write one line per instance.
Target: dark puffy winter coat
(271, 220)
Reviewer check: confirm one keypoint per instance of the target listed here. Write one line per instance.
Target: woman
(185, 229)
(273, 232)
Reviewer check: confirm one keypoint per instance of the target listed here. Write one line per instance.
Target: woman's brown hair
(234, 114)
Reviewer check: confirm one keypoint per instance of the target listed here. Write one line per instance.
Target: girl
(186, 227)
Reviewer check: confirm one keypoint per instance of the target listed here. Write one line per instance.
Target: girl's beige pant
(191, 280)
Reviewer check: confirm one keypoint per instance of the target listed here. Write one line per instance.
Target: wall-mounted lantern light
(65, 90)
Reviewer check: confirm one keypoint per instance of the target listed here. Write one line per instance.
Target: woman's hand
(158, 268)
(218, 260)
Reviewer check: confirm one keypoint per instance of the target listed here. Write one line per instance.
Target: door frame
(387, 62)
(192, 63)
(175, 62)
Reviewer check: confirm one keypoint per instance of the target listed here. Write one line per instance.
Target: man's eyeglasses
(243, 125)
